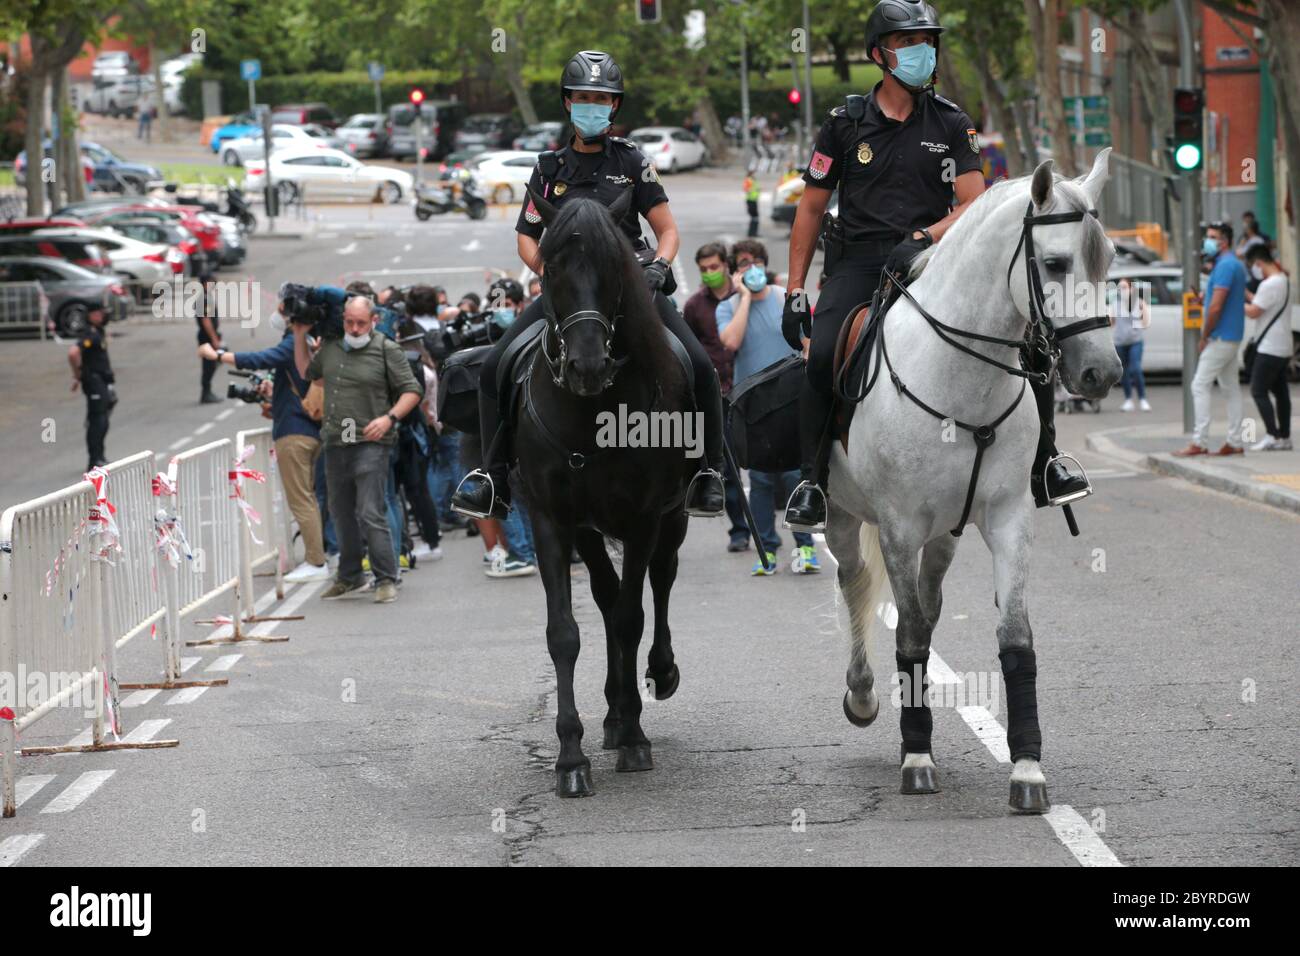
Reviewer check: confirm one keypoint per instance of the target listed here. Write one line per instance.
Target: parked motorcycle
(237, 208)
(434, 200)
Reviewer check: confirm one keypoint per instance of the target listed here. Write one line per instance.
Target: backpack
(763, 418)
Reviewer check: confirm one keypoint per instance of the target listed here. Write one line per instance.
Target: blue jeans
(327, 525)
(394, 506)
(1131, 356)
(519, 534)
(767, 491)
(444, 472)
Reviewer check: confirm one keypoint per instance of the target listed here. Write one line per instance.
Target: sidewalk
(1269, 477)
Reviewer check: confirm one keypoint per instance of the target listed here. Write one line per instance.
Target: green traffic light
(1187, 156)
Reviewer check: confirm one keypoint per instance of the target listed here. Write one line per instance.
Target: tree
(1044, 27)
(1129, 17)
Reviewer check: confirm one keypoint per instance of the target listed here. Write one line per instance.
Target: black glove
(111, 393)
(656, 273)
(796, 319)
(902, 255)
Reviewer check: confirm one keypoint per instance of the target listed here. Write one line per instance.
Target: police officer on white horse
(906, 163)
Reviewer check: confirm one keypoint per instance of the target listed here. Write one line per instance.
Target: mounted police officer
(595, 165)
(907, 165)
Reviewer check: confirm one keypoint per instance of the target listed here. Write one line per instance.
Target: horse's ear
(1040, 189)
(620, 206)
(544, 208)
(1093, 183)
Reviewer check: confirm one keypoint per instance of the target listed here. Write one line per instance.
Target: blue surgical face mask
(590, 119)
(755, 278)
(1209, 246)
(503, 317)
(915, 64)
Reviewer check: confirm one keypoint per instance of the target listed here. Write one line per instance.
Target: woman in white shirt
(1131, 316)
(1270, 308)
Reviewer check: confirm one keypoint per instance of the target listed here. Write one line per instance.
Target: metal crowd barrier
(24, 309)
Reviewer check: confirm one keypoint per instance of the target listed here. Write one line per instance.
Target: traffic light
(1189, 131)
(647, 11)
(794, 96)
(417, 97)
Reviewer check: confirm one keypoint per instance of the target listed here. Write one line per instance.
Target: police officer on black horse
(907, 165)
(595, 165)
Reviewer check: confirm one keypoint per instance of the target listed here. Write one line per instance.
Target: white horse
(902, 492)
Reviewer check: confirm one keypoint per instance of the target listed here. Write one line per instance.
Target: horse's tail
(866, 591)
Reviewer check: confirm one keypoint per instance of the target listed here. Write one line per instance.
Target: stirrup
(476, 473)
(1073, 495)
(810, 528)
(703, 472)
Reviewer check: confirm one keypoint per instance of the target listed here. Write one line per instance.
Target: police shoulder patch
(973, 138)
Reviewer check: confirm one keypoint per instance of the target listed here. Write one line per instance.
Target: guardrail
(24, 309)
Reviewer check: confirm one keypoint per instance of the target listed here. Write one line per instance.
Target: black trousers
(411, 472)
(708, 394)
(852, 283)
(209, 370)
(97, 412)
(1268, 378)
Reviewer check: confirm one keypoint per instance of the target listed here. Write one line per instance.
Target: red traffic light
(417, 97)
(648, 11)
(794, 97)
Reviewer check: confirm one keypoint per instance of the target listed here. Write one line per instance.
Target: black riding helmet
(595, 71)
(901, 16)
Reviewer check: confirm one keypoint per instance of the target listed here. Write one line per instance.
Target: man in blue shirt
(296, 437)
(749, 326)
(1221, 332)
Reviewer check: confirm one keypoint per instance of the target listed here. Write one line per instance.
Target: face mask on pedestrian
(755, 278)
(713, 280)
(1258, 273)
(590, 119)
(277, 322)
(915, 64)
(351, 342)
(503, 317)
(1210, 246)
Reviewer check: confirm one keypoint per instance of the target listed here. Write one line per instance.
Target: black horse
(604, 346)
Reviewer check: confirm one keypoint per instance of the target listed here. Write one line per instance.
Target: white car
(502, 177)
(236, 152)
(141, 264)
(328, 174)
(670, 148)
(1162, 286)
(173, 77)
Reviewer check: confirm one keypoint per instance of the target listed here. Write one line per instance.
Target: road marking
(139, 697)
(180, 443)
(146, 731)
(224, 663)
(78, 791)
(13, 848)
(408, 247)
(186, 695)
(205, 427)
(83, 738)
(472, 246)
(291, 604)
(188, 662)
(1080, 838)
(28, 787)
(347, 250)
(260, 605)
(987, 729)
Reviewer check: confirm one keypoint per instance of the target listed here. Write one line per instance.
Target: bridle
(558, 327)
(1040, 335)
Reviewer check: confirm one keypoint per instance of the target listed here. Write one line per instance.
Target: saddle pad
(458, 389)
(764, 416)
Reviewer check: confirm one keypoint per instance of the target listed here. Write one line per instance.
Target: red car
(20, 227)
(191, 217)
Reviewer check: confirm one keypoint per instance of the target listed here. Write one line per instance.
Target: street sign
(376, 72)
(1089, 102)
(250, 70)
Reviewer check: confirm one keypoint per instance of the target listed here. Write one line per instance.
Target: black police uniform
(96, 385)
(208, 311)
(893, 179)
(602, 176)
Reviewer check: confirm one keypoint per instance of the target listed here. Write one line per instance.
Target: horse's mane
(607, 251)
(1095, 243)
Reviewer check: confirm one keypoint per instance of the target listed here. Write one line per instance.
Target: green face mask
(713, 280)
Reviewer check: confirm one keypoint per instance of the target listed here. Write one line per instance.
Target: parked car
(539, 136)
(140, 264)
(363, 135)
(20, 165)
(22, 227)
(241, 124)
(108, 172)
(323, 136)
(439, 120)
(328, 174)
(467, 158)
(72, 291)
(190, 259)
(670, 148)
(494, 130)
(203, 225)
(503, 177)
(173, 77)
(119, 95)
(78, 251)
(114, 63)
(240, 150)
(300, 114)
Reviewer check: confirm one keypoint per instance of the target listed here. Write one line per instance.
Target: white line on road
(1080, 838)
(226, 414)
(180, 443)
(188, 662)
(347, 250)
(987, 729)
(78, 791)
(186, 695)
(83, 738)
(408, 247)
(224, 663)
(138, 698)
(13, 848)
(291, 604)
(472, 246)
(397, 259)
(28, 787)
(205, 427)
(260, 605)
(146, 731)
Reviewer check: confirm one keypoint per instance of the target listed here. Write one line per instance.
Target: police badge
(560, 188)
(865, 155)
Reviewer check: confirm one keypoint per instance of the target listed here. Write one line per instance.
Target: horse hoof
(665, 688)
(919, 774)
(574, 783)
(634, 758)
(854, 719)
(610, 740)
(1029, 797)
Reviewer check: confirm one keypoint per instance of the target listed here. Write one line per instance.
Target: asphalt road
(422, 732)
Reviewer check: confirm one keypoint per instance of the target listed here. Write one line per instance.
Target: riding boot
(706, 496)
(806, 509)
(1051, 480)
(485, 492)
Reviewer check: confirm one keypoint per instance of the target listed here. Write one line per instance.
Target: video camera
(299, 310)
(470, 329)
(249, 393)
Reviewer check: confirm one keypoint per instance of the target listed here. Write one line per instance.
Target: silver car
(138, 264)
(363, 135)
(72, 291)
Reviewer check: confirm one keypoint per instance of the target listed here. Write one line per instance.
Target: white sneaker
(1144, 405)
(1267, 443)
(1283, 444)
(308, 572)
(1127, 406)
(498, 553)
(424, 551)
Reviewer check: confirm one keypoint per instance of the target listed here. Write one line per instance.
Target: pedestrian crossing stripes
(78, 791)
(12, 849)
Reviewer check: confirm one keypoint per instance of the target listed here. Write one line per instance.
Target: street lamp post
(1191, 216)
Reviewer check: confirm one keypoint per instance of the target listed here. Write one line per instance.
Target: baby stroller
(1070, 403)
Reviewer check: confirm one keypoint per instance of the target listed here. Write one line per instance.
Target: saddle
(854, 374)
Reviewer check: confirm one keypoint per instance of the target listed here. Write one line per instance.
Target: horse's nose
(590, 372)
(1092, 378)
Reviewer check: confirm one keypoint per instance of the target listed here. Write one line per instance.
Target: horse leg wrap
(915, 719)
(1020, 675)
